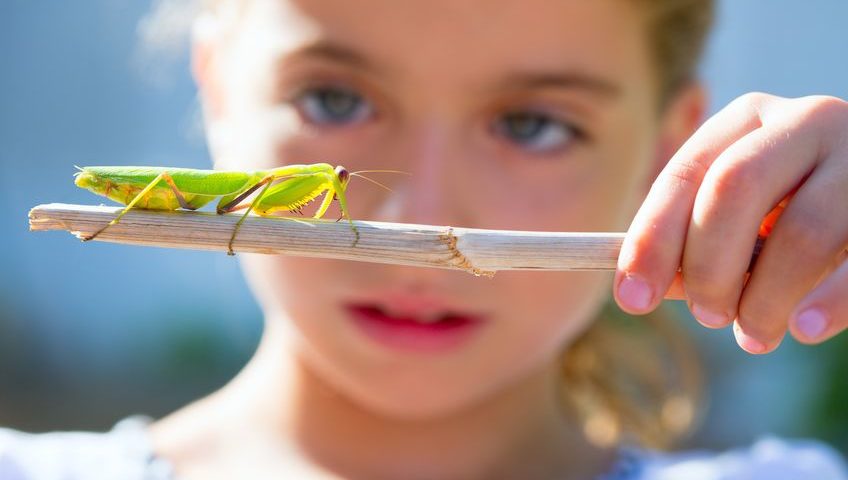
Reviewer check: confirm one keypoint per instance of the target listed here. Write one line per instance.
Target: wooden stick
(481, 252)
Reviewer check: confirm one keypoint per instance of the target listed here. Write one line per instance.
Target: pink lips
(410, 332)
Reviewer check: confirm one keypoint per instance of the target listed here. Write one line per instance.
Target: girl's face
(508, 114)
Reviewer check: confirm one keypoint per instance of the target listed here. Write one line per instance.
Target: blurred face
(508, 114)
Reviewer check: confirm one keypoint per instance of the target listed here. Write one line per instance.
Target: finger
(824, 312)
(675, 290)
(652, 249)
(810, 233)
(744, 183)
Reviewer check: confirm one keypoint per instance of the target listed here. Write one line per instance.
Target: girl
(519, 114)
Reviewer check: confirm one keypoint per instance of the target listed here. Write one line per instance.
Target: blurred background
(90, 333)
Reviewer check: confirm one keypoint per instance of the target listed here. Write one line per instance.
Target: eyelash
(314, 104)
(539, 126)
(549, 134)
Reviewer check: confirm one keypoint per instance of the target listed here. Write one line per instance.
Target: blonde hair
(677, 31)
(632, 379)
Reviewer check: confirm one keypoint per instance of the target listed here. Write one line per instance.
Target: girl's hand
(705, 209)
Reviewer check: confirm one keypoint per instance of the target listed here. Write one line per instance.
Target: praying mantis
(286, 188)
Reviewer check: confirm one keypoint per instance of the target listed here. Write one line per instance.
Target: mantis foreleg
(338, 191)
(233, 204)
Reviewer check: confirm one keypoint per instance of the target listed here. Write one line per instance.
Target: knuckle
(683, 175)
(822, 109)
(825, 105)
(735, 181)
(752, 101)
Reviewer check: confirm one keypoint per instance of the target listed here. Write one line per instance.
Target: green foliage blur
(160, 371)
(830, 407)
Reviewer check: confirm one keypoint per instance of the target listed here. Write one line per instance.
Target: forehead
(463, 39)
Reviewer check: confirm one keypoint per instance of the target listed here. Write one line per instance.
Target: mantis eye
(333, 106)
(343, 174)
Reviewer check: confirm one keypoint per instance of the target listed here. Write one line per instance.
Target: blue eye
(536, 132)
(333, 106)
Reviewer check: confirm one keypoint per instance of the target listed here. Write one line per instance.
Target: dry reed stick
(481, 252)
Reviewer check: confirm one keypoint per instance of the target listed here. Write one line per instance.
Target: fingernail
(811, 323)
(748, 343)
(635, 293)
(709, 318)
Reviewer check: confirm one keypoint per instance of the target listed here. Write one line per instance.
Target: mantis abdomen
(123, 184)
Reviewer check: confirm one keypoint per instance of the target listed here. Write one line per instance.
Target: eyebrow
(334, 52)
(326, 50)
(566, 80)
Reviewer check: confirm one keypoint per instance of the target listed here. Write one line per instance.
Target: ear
(680, 120)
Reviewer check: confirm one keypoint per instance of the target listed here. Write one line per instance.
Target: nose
(431, 153)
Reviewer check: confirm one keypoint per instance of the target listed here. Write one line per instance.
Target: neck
(520, 432)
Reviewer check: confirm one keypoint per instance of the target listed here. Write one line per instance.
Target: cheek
(591, 188)
(543, 312)
(287, 286)
(585, 199)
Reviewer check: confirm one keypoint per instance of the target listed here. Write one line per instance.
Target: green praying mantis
(286, 188)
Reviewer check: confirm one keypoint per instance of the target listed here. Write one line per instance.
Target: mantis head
(343, 174)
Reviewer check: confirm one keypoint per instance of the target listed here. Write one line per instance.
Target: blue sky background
(90, 333)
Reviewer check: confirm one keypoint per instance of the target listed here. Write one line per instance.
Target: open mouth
(422, 331)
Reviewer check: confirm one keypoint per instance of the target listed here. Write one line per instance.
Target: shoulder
(123, 452)
(767, 459)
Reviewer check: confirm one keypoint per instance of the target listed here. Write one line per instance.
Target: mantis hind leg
(234, 205)
(162, 176)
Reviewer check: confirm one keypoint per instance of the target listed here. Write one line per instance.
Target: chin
(419, 403)
(410, 392)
